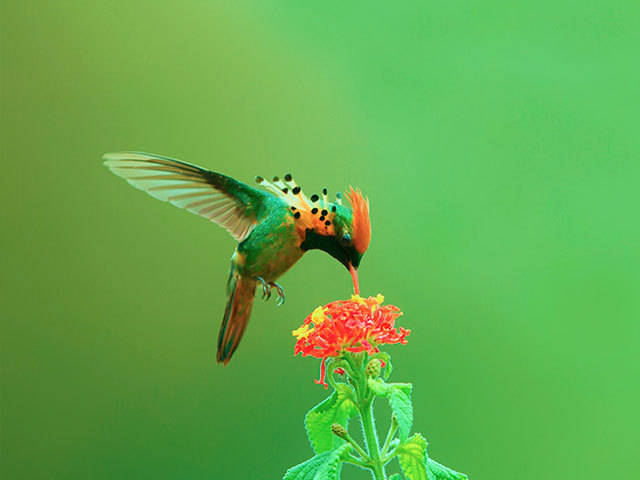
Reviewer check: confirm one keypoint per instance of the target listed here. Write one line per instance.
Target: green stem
(371, 437)
(356, 461)
(357, 448)
(357, 363)
(392, 431)
(389, 456)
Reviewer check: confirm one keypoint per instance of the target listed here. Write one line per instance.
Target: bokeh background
(499, 145)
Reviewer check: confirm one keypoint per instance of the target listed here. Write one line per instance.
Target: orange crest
(361, 222)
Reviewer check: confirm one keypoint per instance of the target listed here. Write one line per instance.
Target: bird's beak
(354, 275)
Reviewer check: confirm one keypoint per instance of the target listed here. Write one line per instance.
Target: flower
(354, 325)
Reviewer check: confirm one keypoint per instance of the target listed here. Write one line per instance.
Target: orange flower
(355, 325)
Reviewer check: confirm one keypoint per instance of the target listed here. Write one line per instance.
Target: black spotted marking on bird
(260, 220)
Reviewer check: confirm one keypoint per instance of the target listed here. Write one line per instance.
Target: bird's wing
(232, 204)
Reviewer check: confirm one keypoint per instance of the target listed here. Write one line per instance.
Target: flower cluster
(355, 325)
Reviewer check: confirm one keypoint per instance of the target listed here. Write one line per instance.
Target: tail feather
(236, 316)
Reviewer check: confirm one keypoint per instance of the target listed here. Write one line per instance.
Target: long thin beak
(354, 275)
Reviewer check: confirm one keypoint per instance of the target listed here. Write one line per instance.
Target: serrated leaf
(338, 408)
(440, 472)
(330, 470)
(400, 401)
(306, 470)
(399, 395)
(324, 466)
(378, 386)
(412, 456)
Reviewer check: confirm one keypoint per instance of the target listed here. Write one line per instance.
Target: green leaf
(440, 472)
(324, 466)
(307, 470)
(412, 456)
(379, 386)
(400, 401)
(395, 476)
(338, 408)
(330, 470)
(399, 395)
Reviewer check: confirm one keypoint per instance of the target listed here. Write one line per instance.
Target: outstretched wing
(232, 204)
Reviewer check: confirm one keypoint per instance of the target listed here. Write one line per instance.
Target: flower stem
(392, 431)
(365, 406)
(357, 448)
(356, 461)
(371, 438)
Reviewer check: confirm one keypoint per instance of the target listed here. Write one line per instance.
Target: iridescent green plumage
(274, 226)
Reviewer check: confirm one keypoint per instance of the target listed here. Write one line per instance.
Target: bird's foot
(280, 290)
(266, 289)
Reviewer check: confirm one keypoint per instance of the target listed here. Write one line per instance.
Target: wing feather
(221, 199)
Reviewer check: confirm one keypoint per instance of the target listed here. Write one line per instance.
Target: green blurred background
(499, 145)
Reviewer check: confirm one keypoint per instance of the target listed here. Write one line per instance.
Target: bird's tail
(241, 291)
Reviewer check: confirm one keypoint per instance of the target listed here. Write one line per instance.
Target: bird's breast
(271, 249)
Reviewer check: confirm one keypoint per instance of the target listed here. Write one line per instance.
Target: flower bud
(338, 430)
(373, 368)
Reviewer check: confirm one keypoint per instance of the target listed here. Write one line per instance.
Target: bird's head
(343, 231)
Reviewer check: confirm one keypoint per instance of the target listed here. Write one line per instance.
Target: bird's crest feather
(361, 221)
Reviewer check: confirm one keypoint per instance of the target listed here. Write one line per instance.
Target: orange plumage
(361, 221)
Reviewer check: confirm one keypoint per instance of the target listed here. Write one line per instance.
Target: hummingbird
(274, 225)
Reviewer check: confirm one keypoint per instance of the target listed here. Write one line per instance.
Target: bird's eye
(346, 238)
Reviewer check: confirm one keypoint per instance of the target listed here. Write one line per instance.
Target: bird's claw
(266, 289)
(281, 296)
